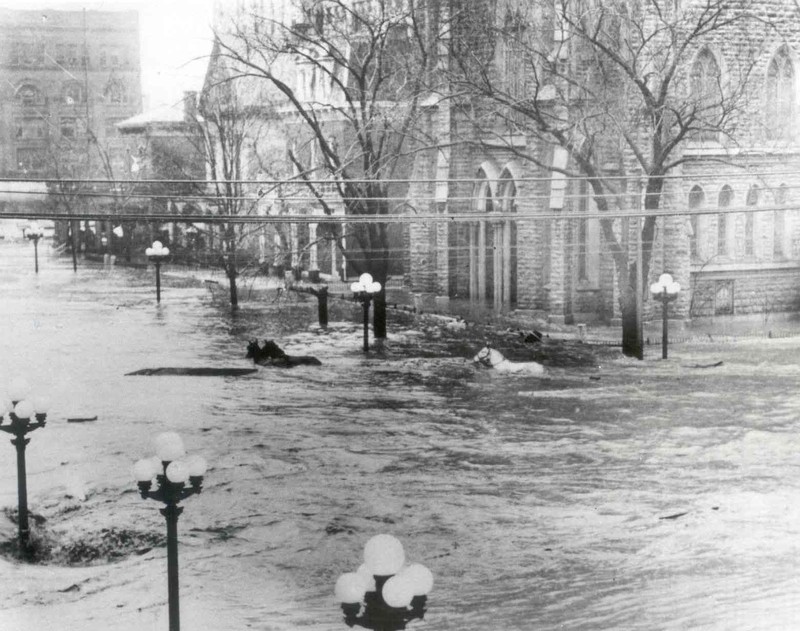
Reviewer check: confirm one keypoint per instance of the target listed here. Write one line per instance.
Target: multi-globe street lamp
(665, 291)
(364, 290)
(172, 470)
(21, 409)
(34, 232)
(384, 593)
(157, 254)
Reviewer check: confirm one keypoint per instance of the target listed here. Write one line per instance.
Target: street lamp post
(157, 254)
(384, 593)
(665, 291)
(20, 409)
(364, 290)
(171, 472)
(34, 232)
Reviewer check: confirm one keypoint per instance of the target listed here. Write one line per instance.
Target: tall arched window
(780, 96)
(749, 221)
(779, 224)
(513, 61)
(697, 199)
(481, 239)
(507, 233)
(706, 90)
(482, 192)
(724, 201)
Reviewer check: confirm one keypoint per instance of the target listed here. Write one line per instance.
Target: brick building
(66, 79)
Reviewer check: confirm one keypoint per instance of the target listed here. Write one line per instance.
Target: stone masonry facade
(728, 263)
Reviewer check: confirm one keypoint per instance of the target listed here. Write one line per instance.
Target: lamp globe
(384, 555)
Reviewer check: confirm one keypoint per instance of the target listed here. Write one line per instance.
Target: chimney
(190, 106)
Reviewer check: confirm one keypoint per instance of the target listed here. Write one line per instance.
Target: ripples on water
(610, 497)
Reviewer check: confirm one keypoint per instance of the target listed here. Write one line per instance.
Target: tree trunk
(631, 341)
(71, 228)
(232, 282)
(379, 315)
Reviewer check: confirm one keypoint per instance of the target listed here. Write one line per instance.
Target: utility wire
(393, 218)
(714, 176)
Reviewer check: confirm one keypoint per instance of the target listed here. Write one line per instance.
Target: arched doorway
(493, 242)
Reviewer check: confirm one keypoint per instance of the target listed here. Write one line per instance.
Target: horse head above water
(492, 358)
(253, 349)
(488, 357)
(270, 354)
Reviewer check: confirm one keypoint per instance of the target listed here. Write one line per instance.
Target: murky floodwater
(618, 496)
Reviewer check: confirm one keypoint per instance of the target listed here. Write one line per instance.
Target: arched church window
(779, 96)
(724, 201)
(706, 90)
(697, 199)
(779, 236)
(749, 221)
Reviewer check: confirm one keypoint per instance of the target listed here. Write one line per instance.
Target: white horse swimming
(492, 358)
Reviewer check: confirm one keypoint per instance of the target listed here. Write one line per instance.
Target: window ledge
(584, 286)
(743, 266)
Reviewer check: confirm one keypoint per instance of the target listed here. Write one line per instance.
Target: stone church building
(503, 217)
(730, 233)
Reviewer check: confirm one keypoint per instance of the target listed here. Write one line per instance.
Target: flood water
(614, 495)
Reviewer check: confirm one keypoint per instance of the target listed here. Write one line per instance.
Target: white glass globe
(19, 389)
(197, 465)
(41, 403)
(655, 288)
(24, 409)
(157, 245)
(673, 288)
(169, 446)
(365, 279)
(665, 279)
(157, 464)
(148, 252)
(398, 591)
(384, 555)
(374, 288)
(363, 572)
(143, 470)
(356, 287)
(165, 252)
(420, 577)
(350, 588)
(177, 472)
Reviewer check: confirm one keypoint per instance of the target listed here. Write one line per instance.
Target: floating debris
(195, 372)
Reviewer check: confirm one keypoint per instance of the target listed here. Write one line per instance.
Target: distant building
(168, 144)
(66, 79)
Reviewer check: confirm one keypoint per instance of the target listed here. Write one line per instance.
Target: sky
(175, 41)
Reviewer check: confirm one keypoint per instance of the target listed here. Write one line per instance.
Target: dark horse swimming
(273, 355)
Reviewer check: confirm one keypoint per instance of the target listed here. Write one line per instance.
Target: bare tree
(79, 159)
(621, 87)
(350, 77)
(230, 125)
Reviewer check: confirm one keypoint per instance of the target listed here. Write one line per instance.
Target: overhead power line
(454, 217)
(738, 173)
